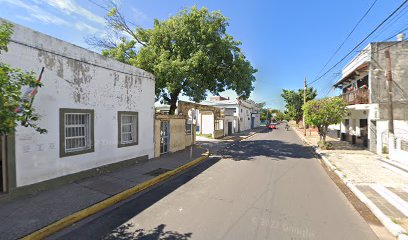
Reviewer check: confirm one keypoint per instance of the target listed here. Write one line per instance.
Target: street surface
(266, 187)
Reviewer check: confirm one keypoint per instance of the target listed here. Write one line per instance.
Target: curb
(93, 209)
(394, 228)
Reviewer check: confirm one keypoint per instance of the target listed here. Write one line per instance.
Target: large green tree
(324, 112)
(14, 108)
(294, 102)
(190, 53)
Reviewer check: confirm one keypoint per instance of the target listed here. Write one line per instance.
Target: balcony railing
(359, 96)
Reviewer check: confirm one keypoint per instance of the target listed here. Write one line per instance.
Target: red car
(272, 126)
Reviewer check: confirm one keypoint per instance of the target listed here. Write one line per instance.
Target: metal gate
(164, 137)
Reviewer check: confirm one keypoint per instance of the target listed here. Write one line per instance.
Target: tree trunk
(324, 132)
(173, 106)
(173, 101)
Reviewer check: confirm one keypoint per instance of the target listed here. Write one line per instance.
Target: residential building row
(239, 115)
(364, 87)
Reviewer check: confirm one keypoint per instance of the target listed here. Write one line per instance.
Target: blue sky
(284, 40)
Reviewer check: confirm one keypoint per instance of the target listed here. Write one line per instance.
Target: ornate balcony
(359, 96)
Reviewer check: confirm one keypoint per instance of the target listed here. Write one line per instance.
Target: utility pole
(304, 101)
(389, 104)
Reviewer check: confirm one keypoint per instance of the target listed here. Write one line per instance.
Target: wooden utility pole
(304, 101)
(389, 103)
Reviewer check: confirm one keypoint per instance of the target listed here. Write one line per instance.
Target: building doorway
(229, 128)
(364, 131)
(164, 137)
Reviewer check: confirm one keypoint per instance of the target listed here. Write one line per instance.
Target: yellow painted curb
(75, 217)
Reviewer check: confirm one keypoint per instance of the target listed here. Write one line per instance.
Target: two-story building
(364, 88)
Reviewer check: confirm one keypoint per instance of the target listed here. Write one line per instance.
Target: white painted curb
(394, 228)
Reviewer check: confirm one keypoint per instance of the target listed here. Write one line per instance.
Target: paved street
(266, 187)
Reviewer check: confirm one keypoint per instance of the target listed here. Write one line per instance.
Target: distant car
(272, 126)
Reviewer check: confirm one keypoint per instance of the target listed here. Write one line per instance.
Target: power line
(360, 43)
(348, 36)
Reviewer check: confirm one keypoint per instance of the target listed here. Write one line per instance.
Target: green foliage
(279, 116)
(5, 33)
(384, 150)
(11, 82)
(267, 114)
(324, 112)
(325, 145)
(189, 53)
(294, 102)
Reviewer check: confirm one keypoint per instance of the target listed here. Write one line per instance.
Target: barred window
(218, 125)
(404, 145)
(128, 128)
(76, 131)
(188, 128)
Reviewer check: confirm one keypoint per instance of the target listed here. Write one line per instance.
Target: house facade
(364, 88)
(98, 113)
(239, 115)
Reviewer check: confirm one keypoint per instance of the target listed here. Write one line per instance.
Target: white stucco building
(98, 112)
(363, 85)
(239, 115)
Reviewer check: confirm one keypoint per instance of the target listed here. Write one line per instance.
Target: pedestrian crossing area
(391, 201)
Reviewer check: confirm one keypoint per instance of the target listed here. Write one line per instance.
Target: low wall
(179, 139)
(219, 133)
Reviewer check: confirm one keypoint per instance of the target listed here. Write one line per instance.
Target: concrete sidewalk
(25, 215)
(381, 186)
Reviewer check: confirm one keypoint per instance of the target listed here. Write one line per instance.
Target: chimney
(401, 37)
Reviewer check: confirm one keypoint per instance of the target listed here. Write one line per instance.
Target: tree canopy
(189, 53)
(14, 108)
(294, 102)
(324, 112)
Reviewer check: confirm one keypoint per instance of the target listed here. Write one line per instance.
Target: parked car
(272, 126)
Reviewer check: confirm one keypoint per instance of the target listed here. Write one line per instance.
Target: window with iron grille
(218, 125)
(188, 128)
(76, 131)
(404, 145)
(127, 128)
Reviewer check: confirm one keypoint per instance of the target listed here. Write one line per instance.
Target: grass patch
(205, 135)
(327, 146)
(394, 220)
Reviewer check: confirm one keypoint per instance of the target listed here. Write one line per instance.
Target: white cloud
(86, 28)
(25, 18)
(71, 7)
(36, 12)
(138, 15)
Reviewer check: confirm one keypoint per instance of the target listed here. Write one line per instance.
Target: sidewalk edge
(97, 207)
(394, 228)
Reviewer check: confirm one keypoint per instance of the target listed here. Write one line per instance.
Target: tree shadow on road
(274, 149)
(112, 219)
(128, 231)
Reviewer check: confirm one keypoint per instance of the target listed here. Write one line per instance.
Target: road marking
(392, 198)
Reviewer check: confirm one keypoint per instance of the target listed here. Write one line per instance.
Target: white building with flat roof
(98, 112)
(239, 115)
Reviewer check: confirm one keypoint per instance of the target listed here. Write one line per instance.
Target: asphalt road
(266, 187)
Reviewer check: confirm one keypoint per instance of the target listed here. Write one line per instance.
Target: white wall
(70, 83)
(207, 123)
(400, 133)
